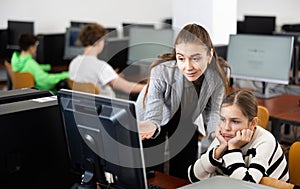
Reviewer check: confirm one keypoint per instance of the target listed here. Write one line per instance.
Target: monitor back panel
(33, 149)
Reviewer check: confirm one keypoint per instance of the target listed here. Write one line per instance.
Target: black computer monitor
(261, 58)
(22, 94)
(103, 139)
(15, 29)
(221, 50)
(115, 52)
(126, 27)
(78, 24)
(33, 147)
(73, 45)
(112, 32)
(3, 43)
(51, 49)
(264, 25)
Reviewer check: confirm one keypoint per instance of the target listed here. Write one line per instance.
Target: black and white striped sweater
(262, 156)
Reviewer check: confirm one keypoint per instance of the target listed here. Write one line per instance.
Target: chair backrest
(294, 162)
(19, 79)
(263, 116)
(275, 183)
(87, 87)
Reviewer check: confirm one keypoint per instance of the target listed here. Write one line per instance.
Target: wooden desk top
(292, 117)
(167, 181)
(281, 105)
(285, 108)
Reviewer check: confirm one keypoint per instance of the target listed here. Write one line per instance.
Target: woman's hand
(241, 138)
(147, 129)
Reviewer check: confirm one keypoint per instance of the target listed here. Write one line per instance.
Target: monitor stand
(88, 180)
(265, 93)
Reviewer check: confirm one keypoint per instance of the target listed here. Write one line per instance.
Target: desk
(283, 109)
(167, 181)
(225, 182)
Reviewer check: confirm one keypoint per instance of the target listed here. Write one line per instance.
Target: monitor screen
(259, 24)
(78, 24)
(15, 29)
(50, 49)
(3, 41)
(103, 139)
(127, 26)
(115, 52)
(146, 44)
(72, 43)
(112, 32)
(296, 54)
(260, 57)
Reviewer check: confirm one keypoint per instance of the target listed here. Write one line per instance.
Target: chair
(87, 87)
(275, 183)
(294, 161)
(19, 79)
(263, 116)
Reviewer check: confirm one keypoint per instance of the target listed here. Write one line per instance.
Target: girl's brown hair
(245, 100)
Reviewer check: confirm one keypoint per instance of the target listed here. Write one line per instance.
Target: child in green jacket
(23, 62)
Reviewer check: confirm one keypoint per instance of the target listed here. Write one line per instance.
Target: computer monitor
(146, 44)
(15, 29)
(126, 27)
(260, 58)
(51, 49)
(296, 54)
(3, 42)
(33, 147)
(78, 24)
(221, 50)
(16, 95)
(73, 45)
(264, 25)
(115, 52)
(103, 139)
(112, 32)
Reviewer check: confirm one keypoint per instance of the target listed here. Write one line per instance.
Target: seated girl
(241, 149)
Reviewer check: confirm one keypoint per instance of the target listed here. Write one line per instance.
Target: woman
(183, 85)
(241, 149)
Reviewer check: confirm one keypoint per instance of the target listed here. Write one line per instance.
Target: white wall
(53, 16)
(210, 14)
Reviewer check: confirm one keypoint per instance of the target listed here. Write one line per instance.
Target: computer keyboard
(152, 186)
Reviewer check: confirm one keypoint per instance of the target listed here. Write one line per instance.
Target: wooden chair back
(263, 116)
(275, 183)
(19, 79)
(294, 162)
(87, 87)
